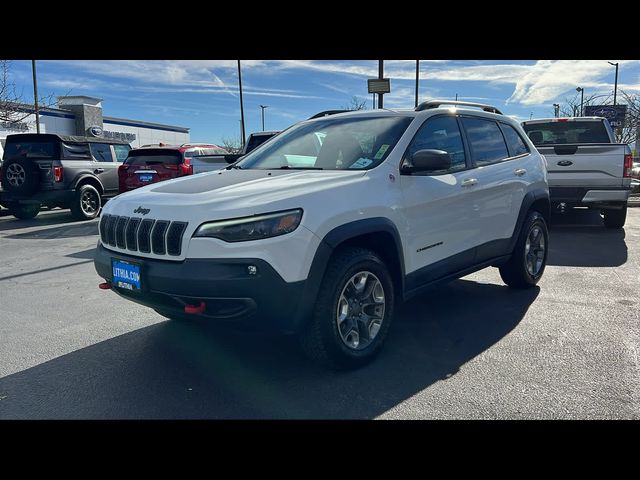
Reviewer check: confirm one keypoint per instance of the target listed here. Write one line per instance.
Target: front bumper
(232, 295)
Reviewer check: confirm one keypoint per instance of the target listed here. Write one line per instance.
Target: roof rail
(436, 103)
(328, 112)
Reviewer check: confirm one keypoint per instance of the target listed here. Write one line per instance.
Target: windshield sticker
(381, 152)
(361, 163)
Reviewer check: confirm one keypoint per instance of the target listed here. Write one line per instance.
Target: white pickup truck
(585, 165)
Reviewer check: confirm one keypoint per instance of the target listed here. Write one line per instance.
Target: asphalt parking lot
(471, 349)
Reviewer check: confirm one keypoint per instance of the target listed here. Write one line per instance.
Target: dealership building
(82, 115)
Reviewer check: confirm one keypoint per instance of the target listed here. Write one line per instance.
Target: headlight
(251, 228)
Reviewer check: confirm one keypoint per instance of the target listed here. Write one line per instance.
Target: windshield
(359, 143)
(559, 133)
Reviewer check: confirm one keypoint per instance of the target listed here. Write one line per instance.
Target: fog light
(252, 270)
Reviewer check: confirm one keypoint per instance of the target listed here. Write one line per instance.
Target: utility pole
(241, 104)
(35, 95)
(380, 76)
(417, 81)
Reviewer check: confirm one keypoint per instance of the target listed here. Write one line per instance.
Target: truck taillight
(57, 174)
(185, 168)
(628, 165)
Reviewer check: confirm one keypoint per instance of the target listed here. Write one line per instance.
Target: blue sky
(203, 94)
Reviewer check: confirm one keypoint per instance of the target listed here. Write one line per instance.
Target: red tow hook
(195, 309)
(104, 286)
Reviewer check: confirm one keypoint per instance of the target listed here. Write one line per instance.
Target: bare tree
(12, 111)
(625, 134)
(355, 103)
(231, 145)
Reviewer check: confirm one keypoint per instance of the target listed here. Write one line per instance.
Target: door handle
(98, 170)
(469, 182)
(519, 171)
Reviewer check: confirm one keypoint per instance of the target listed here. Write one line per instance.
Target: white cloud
(536, 83)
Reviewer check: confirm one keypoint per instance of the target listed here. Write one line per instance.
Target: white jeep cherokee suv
(321, 230)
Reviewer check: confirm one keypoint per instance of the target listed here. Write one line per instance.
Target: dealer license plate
(126, 275)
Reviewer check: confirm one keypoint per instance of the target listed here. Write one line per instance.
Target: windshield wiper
(237, 167)
(289, 167)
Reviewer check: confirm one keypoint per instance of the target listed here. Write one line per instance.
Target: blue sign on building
(614, 113)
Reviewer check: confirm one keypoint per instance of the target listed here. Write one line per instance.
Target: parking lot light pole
(380, 76)
(35, 95)
(581, 90)
(417, 81)
(263, 107)
(615, 88)
(241, 104)
(556, 109)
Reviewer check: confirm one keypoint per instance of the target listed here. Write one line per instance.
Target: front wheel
(87, 203)
(24, 212)
(615, 218)
(529, 258)
(353, 311)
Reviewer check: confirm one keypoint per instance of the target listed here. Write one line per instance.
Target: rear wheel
(615, 218)
(24, 212)
(353, 311)
(529, 258)
(87, 203)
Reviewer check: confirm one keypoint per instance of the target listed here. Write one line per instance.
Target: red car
(155, 163)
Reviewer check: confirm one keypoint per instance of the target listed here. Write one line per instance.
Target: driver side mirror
(430, 160)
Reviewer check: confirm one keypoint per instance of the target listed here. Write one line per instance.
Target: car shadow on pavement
(55, 217)
(580, 239)
(189, 370)
(76, 229)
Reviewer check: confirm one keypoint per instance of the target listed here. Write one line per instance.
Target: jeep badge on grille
(141, 210)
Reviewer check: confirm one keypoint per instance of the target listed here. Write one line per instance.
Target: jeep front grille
(161, 237)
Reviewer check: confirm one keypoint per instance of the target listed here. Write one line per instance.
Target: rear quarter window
(560, 133)
(75, 151)
(517, 146)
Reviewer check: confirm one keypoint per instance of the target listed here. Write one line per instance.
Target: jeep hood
(226, 193)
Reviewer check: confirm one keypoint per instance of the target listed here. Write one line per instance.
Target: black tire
(20, 176)
(320, 339)
(615, 218)
(87, 203)
(24, 212)
(515, 272)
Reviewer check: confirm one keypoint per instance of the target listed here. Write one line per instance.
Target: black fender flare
(528, 200)
(327, 246)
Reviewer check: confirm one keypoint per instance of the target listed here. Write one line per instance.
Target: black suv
(59, 171)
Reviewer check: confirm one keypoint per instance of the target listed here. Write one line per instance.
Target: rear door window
(101, 152)
(154, 157)
(30, 150)
(486, 140)
(560, 133)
